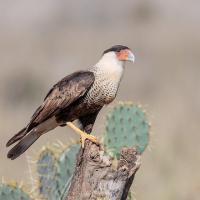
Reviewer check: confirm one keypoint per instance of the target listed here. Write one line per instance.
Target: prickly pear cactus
(47, 171)
(55, 171)
(9, 192)
(126, 126)
(67, 163)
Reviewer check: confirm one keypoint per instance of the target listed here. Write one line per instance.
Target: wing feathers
(17, 137)
(23, 145)
(65, 92)
(62, 94)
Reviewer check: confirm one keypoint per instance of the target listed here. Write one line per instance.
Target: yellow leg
(83, 134)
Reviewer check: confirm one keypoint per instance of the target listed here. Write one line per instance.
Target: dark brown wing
(62, 94)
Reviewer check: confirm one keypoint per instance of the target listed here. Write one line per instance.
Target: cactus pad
(9, 192)
(126, 126)
(55, 171)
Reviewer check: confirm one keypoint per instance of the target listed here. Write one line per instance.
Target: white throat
(109, 66)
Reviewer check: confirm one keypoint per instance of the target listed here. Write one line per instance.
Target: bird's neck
(110, 67)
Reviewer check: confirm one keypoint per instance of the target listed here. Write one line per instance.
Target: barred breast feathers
(108, 73)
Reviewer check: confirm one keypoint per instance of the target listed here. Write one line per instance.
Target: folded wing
(61, 95)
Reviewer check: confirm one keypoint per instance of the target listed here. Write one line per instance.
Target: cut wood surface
(98, 177)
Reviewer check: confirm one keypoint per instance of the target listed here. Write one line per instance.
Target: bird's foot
(83, 134)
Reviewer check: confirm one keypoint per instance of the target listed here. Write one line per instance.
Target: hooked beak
(131, 56)
(126, 55)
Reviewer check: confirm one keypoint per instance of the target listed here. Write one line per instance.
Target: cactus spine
(55, 171)
(11, 192)
(126, 126)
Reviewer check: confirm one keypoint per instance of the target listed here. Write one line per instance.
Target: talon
(83, 135)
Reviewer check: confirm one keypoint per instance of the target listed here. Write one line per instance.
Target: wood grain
(98, 177)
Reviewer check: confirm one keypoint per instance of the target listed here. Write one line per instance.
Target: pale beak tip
(131, 57)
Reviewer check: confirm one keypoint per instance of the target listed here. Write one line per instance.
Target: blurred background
(42, 41)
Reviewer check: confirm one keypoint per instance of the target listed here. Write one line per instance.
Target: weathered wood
(98, 177)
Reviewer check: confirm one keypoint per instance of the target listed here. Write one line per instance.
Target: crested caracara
(80, 95)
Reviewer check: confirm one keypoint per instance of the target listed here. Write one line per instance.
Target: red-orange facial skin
(123, 55)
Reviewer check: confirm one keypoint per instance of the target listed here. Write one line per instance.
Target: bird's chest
(102, 92)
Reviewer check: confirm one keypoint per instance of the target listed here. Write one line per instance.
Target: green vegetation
(55, 171)
(12, 192)
(126, 126)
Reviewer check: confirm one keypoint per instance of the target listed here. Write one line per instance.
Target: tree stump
(97, 177)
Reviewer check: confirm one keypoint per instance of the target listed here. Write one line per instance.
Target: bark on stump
(96, 177)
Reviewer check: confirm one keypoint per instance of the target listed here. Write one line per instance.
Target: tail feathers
(17, 137)
(23, 145)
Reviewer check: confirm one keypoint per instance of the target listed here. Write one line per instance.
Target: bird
(78, 96)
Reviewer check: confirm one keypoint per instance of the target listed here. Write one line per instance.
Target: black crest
(116, 48)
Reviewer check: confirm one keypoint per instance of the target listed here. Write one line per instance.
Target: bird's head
(113, 60)
(120, 52)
